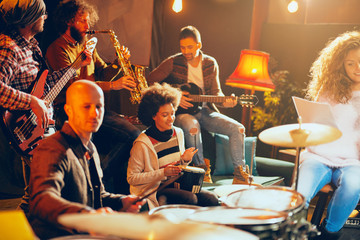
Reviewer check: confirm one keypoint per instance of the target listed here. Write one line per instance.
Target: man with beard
(21, 62)
(114, 139)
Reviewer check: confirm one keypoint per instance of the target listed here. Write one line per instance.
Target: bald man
(65, 172)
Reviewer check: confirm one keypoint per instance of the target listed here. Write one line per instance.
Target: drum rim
(283, 216)
(86, 237)
(195, 169)
(173, 206)
(282, 188)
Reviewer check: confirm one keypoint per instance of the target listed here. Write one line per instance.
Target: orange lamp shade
(252, 72)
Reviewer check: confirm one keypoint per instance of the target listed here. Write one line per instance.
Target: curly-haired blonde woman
(336, 81)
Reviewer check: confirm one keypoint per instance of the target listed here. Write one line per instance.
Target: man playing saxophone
(114, 139)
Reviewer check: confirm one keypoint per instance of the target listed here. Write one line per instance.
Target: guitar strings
(25, 129)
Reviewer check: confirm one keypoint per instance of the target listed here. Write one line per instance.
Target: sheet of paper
(314, 112)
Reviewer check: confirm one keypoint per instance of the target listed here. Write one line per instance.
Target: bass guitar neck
(21, 127)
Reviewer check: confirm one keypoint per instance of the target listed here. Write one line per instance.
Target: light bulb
(293, 6)
(177, 6)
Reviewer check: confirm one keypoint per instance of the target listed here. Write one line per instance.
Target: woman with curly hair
(336, 81)
(158, 151)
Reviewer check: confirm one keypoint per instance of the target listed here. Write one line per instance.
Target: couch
(266, 171)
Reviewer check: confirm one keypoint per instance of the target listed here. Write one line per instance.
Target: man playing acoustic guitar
(193, 66)
(21, 60)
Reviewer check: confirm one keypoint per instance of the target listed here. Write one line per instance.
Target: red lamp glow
(252, 72)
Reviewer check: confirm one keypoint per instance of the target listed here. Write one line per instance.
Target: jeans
(213, 122)
(313, 175)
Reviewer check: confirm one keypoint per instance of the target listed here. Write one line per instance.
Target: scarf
(158, 135)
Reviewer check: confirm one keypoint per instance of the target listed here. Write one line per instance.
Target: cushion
(275, 167)
(223, 164)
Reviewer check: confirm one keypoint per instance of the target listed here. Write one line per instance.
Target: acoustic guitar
(195, 93)
(20, 126)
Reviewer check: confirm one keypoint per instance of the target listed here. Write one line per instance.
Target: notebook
(314, 112)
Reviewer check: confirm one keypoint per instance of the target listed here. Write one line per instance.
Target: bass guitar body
(23, 131)
(21, 127)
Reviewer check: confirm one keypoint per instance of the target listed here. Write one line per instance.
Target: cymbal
(144, 226)
(281, 199)
(295, 135)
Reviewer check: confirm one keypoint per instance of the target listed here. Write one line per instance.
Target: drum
(175, 212)
(265, 224)
(144, 226)
(191, 180)
(273, 198)
(282, 199)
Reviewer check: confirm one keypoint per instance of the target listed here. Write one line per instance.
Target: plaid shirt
(20, 63)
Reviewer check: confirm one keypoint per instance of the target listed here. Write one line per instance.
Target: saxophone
(138, 73)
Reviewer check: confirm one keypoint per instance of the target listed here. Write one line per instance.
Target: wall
(294, 40)
(131, 20)
(315, 11)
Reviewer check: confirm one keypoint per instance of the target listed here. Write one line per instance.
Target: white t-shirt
(344, 151)
(195, 75)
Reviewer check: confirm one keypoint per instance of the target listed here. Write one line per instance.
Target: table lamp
(251, 73)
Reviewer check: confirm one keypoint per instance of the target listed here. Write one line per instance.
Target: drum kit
(247, 212)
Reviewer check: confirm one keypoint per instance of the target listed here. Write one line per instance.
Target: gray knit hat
(20, 13)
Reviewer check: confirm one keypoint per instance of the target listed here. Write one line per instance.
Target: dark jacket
(60, 182)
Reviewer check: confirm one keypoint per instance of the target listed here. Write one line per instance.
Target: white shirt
(195, 75)
(346, 150)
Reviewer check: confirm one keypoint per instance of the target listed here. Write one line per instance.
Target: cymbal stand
(295, 175)
(299, 137)
(251, 177)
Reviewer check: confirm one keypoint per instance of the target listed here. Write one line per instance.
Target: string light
(177, 6)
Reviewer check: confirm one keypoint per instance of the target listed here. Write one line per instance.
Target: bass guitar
(20, 126)
(195, 93)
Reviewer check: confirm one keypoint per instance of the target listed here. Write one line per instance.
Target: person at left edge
(66, 174)
(114, 139)
(21, 62)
